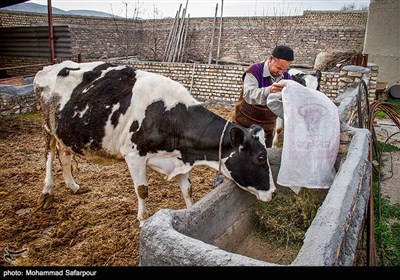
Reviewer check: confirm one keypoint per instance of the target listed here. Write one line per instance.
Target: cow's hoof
(142, 218)
(82, 190)
(45, 201)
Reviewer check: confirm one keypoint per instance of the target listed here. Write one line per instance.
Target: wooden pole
(212, 35)
(167, 47)
(220, 33)
(173, 37)
(180, 32)
(180, 45)
(184, 39)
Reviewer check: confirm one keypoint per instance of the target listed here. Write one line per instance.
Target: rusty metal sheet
(33, 41)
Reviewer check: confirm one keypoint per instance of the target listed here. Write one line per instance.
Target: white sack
(311, 138)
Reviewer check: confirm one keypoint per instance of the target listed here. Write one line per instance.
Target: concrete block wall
(351, 75)
(17, 98)
(15, 105)
(347, 101)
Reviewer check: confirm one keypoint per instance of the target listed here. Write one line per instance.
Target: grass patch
(387, 218)
(382, 115)
(32, 116)
(275, 220)
(395, 101)
(387, 230)
(387, 147)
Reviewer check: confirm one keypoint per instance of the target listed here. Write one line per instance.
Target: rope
(218, 178)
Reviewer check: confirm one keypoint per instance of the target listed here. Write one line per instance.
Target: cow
(308, 80)
(105, 112)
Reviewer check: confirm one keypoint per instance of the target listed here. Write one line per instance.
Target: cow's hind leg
(137, 169)
(186, 188)
(47, 197)
(65, 160)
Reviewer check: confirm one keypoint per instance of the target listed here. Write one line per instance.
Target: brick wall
(204, 81)
(223, 83)
(244, 39)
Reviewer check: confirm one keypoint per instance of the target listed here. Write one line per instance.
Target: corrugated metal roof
(34, 41)
(6, 3)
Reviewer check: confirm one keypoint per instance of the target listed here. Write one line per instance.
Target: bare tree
(127, 36)
(353, 7)
(266, 32)
(126, 30)
(194, 51)
(212, 35)
(154, 44)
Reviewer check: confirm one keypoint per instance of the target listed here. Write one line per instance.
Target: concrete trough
(198, 236)
(204, 234)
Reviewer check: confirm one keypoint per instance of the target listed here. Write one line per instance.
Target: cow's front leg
(137, 169)
(186, 188)
(277, 141)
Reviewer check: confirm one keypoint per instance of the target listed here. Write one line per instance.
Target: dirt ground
(98, 228)
(388, 133)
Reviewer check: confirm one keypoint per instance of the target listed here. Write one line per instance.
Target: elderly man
(259, 80)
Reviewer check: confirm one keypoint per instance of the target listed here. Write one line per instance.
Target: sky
(202, 8)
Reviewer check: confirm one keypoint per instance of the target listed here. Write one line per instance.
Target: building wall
(382, 41)
(244, 40)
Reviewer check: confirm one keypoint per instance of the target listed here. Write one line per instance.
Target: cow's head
(248, 165)
(308, 80)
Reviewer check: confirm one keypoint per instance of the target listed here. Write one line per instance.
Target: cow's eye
(262, 158)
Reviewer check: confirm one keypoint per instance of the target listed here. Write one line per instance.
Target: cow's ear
(237, 136)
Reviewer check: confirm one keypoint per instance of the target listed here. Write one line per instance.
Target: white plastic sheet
(311, 138)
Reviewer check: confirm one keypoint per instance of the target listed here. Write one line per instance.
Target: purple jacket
(257, 71)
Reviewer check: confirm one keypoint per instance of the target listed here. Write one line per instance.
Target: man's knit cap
(283, 52)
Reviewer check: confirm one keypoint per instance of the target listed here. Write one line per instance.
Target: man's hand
(275, 87)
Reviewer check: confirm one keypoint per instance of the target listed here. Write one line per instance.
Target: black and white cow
(104, 112)
(307, 80)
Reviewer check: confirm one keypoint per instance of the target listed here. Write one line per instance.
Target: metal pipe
(51, 35)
